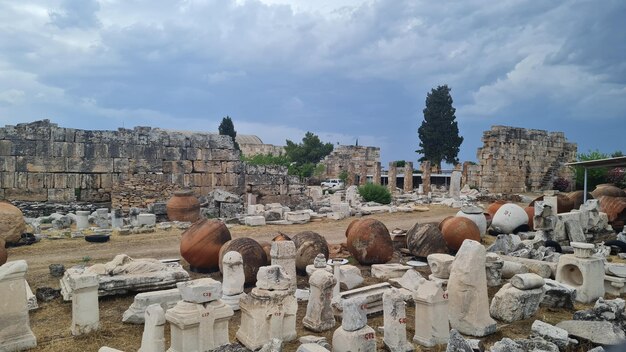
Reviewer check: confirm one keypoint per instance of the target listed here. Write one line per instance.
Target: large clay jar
(608, 190)
(493, 207)
(3, 253)
(475, 214)
(308, 245)
(183, 206)
(444, 221)
(201, 243)
(281, 237)
(267, 248)
(459, 229)
(530, 212)
(425, 239)
(252, 253)
(12, 224)
(577, 198)
(369, 242)
(508, 218)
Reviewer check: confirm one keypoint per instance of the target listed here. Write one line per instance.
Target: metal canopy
(619, 161)
(609, 162)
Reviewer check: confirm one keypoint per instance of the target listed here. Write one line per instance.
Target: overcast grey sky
(343, 69)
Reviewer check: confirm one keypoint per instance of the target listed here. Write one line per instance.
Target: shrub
(561, 184)
(375, 193)
(617, 176)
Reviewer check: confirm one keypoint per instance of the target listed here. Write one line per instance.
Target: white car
(333, 183)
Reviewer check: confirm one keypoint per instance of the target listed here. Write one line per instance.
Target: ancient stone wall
(519, 160)
(271, 184)
(41, 161)
(255, 149)
(349, 157)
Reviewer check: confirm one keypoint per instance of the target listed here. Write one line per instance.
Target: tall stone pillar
(363, 174)
(408, 176)
(426, 176)
(376, 178)
(391, 177)
(351, 178)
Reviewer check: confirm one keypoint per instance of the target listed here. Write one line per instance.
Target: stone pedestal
(153, 339)
(102, 218)
(198, 326)
(82, 219)
(283, 253)
(233, 279)
(266, 315)
(15, 332)
(586, 275)
(85, 309)
(269, 311)
(117, 219)
(431, 314)
(200, 321)
(354, 334)
(319, 314)
(467, 288)
(455, 185)
(394, 310)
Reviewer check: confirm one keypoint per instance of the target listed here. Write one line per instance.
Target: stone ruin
(42, 162)
(514, 160)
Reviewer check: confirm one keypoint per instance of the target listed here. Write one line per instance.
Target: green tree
(227, 128)
(595, 176)
(304, 156)
(439, 132)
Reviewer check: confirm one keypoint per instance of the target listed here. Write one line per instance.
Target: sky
(346, 70)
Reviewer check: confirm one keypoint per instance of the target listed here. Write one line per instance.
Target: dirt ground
(51, 322)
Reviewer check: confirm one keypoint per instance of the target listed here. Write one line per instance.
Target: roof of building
(248, 139)
(608, 162)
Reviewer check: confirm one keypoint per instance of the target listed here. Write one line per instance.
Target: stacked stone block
(520, 160)
(362, 160)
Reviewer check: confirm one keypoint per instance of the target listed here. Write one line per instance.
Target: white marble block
(233, 279)
(85, 309)
(198, 326)
(15, 332)
(354, 334)
(319, 314)
(431, 314)
(388, 271)
(440, 264)
(586, 275)
(269, 311)
(394, 310)
(467, 289)
(136, 312)
(153, 339)
(283, 253)
(146, 220)
(200, 290)
(82, 219)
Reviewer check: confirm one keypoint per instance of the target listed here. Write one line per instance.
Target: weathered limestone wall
(41, 161)
(519, 160)
(254, 149)
(271, 184)
(349, 157)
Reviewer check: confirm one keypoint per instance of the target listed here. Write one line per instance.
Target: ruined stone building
(41, 162)
(355, 160)
(519, 160)
(252, 145)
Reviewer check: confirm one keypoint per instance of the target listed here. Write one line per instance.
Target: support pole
(585, 188)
